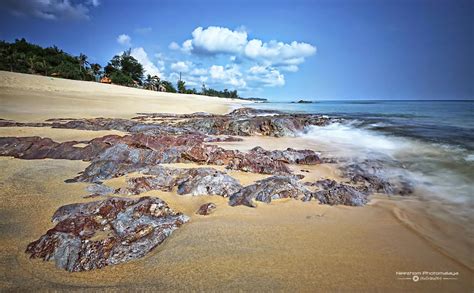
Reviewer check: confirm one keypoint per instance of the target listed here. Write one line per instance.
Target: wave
(438, 171)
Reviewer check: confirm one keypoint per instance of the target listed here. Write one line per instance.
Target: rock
(93, 235)
(334, 193)
(98, 190)
(265, 190)
(372, 176)
(199, 181)
(112, 156)
(289, 156)
(206, 209)
(207, 181)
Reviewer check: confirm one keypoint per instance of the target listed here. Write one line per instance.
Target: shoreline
(233, 243)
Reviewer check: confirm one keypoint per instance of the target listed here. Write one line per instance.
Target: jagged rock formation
(334, 193)
(113, 156)
(242, 122)
(265, 190)
(369, 176)
(97, 234)
(199, 181)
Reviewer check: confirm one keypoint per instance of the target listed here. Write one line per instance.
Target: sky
(280, 50)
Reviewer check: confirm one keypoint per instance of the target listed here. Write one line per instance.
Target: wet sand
(286, 245)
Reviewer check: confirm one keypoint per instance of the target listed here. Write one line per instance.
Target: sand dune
(25, 97)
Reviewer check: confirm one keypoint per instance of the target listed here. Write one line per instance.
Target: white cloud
(124, 40)
(187, 46)
(50, 9)
(229, 75)
(289, 68)
(174, 46)
(181, 66)
(215, 40)
(278, 53)
(142, 57)
(265, 76)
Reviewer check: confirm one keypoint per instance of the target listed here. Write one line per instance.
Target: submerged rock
(265, 190)
(206, 209)
(93, 235)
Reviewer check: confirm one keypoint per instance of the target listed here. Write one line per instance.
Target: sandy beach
(287, 245)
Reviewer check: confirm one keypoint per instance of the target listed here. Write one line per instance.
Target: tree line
(124, 69)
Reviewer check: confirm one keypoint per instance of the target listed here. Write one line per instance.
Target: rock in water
(337, 193)
(93, 235)
(265, 190)
(206, 209)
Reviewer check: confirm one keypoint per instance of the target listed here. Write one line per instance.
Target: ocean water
(429, 143)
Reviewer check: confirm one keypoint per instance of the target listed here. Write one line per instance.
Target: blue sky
(281, 50)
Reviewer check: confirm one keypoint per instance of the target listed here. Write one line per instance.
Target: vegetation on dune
(21, 56)
(125, 69)
(24, 57)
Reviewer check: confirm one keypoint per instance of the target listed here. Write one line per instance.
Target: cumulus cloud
(265, 76)
(124, 40)
(142, 57)
(174, 46)
(50, 9)
(278, 53)
(229, 75)
(216, 40)
(181, 66)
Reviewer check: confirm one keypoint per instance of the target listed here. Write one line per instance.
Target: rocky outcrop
(93, 235)
(113, 155)
(206, 209)
(370, 176)
(198, 181)
(206, 181)
(334, 193)
(242, 122)
(275, 187)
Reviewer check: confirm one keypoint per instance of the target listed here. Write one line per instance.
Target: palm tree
(82, 58)
(82, 61)
(96, 70)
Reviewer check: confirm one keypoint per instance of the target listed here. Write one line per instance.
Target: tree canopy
(21, 56)
(124, 69)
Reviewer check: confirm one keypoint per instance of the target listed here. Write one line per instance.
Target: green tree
(124, 65)
(181, 86)
(168, 86)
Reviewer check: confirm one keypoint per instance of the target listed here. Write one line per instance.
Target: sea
(431, 142)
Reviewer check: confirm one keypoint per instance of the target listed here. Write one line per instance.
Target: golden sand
(25, 97)
(286, 245)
